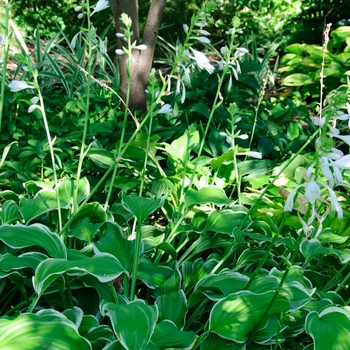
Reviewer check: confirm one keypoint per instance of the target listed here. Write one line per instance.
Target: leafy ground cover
(218, 219)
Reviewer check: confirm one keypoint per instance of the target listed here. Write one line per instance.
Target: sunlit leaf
(226, 220)
(173, 307)
(207, 194)
(41, 331)
(21, 236)
(235, 316)
(167, 336)
(330, 329)
(134, 323)
(103, 266)
(31, 260)
(10, 213)
(141, 207)
(112, 241)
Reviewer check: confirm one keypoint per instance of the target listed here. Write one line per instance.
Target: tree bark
(142, 60)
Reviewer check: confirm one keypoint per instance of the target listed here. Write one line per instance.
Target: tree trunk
(142, 62)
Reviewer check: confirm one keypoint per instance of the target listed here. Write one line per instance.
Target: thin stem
(5, 59)
(50, 142)
(136, 261)
(87, 110)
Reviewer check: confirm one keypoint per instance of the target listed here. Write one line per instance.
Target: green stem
(5, 59)
(334, 278)
(50, 142)
(87, 110)
(136, 261)
(257, 202)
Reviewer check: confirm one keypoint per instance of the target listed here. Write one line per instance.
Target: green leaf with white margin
(31, 260)
(103, 266)
(226, 220)
(66, 189)
(84, 230)
(46, 199)
(297, 79)
(141, 207)
(173, 307)
(21, 236)
(312, 248)
(43, 202)
(235, 316)
(167, 336)
(330, 329)
(207, 194)
(112, 241)
(10, 213)
(44, 330)
(214, 342)
(134, 323)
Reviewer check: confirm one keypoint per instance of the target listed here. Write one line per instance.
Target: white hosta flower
(228, 137)
(119, 52)
(77, 8)
(318, 121)
(202, 61)
(202, 39)
(257, 155)
(141, 47)
(18, 85)
(166, 109)
(312, 191)
(73, 43)
(185, 28)
(80, 16)
(345, 138)
(342, 163)
(203, 32)
(335, 206)
(34, 100)
(102, 47)
(200, 24)
(101, 5)
(120, 35)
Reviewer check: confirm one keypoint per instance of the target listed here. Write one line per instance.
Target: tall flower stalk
(325, 171)
(4, 54)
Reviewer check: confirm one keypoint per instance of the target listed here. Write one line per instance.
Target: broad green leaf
(180, 148)
(75, 315)
(94, 211)
(207, 194)
(141, 207)
(253, 257)
(167, 336)
(330, 329)
(21, 236)
(103, 266)
(152, 275)
(43, 202)
(66, 189)
(171, 284)
(312, 248)
(31, 260)
(40, 331)
(226, 220)
(173, 307)
(10, 213)
(84, 230)
(267, 334)
(238, 314)
(133, 323)
(112, 241)
(297, 79)
(214, 342)
(218, 286)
